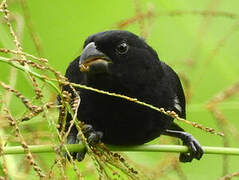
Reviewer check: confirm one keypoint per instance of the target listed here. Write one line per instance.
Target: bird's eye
(122, 48)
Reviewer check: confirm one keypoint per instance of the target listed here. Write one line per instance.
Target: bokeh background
(199, 39)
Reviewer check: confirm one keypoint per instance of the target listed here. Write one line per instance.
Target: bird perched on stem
(123, 63)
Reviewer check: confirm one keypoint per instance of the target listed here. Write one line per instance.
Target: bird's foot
(194, 147)
(93, 137)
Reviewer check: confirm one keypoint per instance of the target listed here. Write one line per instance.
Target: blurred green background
(199, 39)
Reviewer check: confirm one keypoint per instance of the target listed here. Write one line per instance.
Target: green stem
(22, 68)
(140, 148)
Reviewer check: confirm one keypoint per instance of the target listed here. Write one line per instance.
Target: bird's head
(118, 53)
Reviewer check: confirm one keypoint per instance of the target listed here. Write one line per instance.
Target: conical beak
(92, 60)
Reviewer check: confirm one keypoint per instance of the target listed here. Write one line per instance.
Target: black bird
(123, 63)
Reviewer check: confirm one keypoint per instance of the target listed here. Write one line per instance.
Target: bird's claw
(93, 137)
(194, 148)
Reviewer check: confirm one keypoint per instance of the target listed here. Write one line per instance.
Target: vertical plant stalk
(24, 145)
(34, 35)
(13, 71)
(19, 49)
(4, 164)
(63, 139)
(221, 119)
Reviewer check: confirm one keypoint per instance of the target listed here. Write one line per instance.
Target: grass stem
(141, 148)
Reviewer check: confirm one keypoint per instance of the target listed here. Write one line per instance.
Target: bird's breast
(121, 121)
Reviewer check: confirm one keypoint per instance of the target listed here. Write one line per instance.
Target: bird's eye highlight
(122, 48)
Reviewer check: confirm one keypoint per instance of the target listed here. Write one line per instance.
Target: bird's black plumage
(121, 62)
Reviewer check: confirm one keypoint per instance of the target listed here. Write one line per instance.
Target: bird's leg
(195, 149)
(93, 137)
(73, 139)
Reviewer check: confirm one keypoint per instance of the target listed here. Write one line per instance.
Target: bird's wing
(175, 84)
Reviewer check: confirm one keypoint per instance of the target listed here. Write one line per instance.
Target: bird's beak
(92, 60)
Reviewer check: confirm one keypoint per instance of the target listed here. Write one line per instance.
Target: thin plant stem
(11, 150)
(162, 110)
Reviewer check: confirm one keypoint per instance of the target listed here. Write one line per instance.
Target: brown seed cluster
(18, 134)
